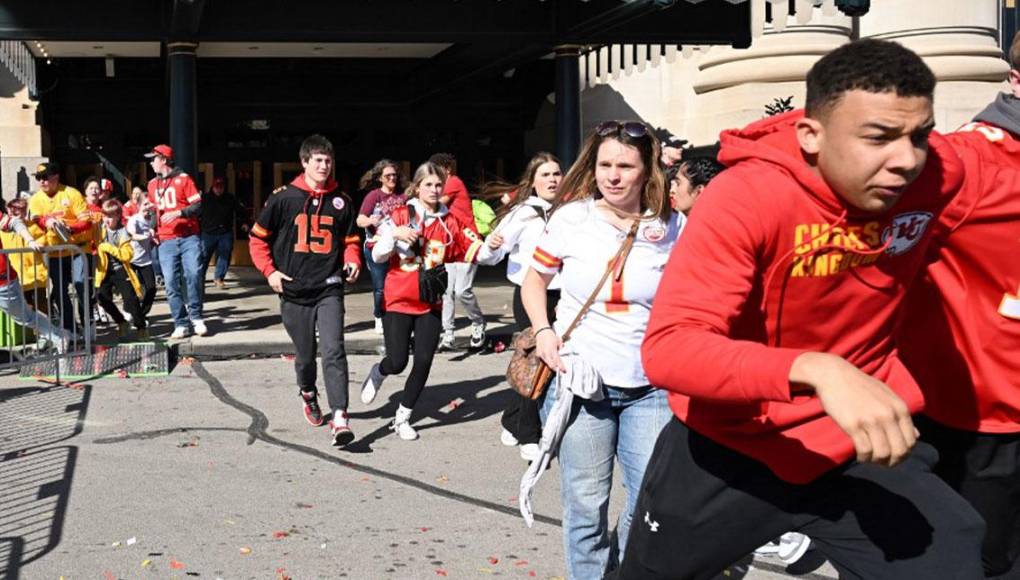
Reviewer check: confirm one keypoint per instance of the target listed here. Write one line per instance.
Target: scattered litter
(109, 575)
(452, 405)
(174, 564)
(131, 541)
(287, 357)
(230, 522)
(424, 529)
(280, 534)
(245, 551)
(532, 573)
(146, 563)
(192, 443)
(442, 478)
(303, 505)
(493, 560)
(122, 374)
(186, 361)
(521, 563)
(192, 574)
(115, 544)
(440, 572)
(500, 346)
(485, 570)
(323, 545)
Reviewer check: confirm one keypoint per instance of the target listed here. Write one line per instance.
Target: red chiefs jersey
(961, 333)
(174, 192)
(443, 240)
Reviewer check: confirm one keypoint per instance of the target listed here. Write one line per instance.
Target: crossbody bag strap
(615, 265)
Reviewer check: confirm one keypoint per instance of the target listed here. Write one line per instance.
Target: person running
(462, 275)
(305, 245)
(519, 225)
(141, 228)
(961, 334)
(61, 211)
(113, 270)
(387, 195)
(613, 196)
(178, 207)
(774, 333)
(417, 238)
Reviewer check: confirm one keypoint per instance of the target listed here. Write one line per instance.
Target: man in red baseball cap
(178, 206)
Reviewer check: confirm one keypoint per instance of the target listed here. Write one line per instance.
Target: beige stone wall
(20, 136)
(714, 88)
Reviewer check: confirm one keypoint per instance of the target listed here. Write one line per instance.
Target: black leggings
(398, 329)
(520, 416)
(118, 278)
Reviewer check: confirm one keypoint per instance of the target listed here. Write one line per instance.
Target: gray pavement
(212, 472)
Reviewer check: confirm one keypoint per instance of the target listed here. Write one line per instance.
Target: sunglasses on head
(632, 129)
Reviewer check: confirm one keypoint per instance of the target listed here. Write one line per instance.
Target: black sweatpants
(703, 506)
(398, 329)
(300, 320)
(117, 278)
(985, 469)
(520, 416)
(147, 277)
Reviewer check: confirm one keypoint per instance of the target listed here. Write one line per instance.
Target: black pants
(300, 320)
(61, 273)
(117, 278)
(398, 329)
(985, 469)
(520, 416)
(147, 277)
(703, 506)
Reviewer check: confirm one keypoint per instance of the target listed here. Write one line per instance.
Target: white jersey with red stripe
(579, 243)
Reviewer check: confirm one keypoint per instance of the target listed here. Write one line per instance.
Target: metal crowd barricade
(45, 304)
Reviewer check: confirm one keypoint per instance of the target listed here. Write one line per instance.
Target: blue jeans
(176, 256)
(378, 273)
(12, 302)
(623, 426)
(220, 244)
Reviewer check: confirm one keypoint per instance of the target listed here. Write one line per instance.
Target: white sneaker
(477, 335)
(370, 388)
(507, 438)
(378, 326)
(530, 451)
(200, 328)
(340, 429)
(768, 549)
(402, 426)
(446, 343)
(792, 546)
(179, 332)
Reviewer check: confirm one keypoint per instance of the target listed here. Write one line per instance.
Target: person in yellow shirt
(29, 266)
(61, 211)
(113, 269)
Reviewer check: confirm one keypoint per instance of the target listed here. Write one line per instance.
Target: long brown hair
(579, 182)
(520, 191)
(372, 179)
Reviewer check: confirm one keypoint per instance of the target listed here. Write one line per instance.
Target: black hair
(444, 160)
(315, 144)
(700, 170)
(875, 66)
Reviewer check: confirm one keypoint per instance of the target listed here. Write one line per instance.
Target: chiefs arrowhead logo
(905, 231)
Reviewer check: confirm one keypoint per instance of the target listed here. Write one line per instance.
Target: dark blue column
(183, 111)
(568, 104)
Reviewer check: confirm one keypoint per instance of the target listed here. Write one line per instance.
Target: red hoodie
(773, 264)
(961, 336)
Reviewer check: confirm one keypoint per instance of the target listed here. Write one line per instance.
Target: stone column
(568, 103)
(183, 111)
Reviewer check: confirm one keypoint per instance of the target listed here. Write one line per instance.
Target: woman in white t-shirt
(615, 184)
(520, 223)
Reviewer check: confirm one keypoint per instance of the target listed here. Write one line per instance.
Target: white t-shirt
(579, 243)
(521, 229)
(137, 224)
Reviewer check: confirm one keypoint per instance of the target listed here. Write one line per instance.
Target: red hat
(162, 151)
(106, 185)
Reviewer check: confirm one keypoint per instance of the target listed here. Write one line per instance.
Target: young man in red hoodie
(304, 243)
(773, 331)
(961, 335)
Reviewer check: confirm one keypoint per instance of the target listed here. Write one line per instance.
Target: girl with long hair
(418, 237)
(613, 196)
(519, 225)
(386, 195)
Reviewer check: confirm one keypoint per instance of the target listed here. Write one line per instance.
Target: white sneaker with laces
(179, 332)
(402, 426)
(378, 326)
(507, 438)
(446, 343)
(370, 388)
(768, 549)
(200, 328)
(530, 451)
(792, 546)
(477, 335)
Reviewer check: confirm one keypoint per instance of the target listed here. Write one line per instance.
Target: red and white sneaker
(313, 413)
(340, 429)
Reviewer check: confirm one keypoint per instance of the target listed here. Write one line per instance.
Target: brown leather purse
(528, 374)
